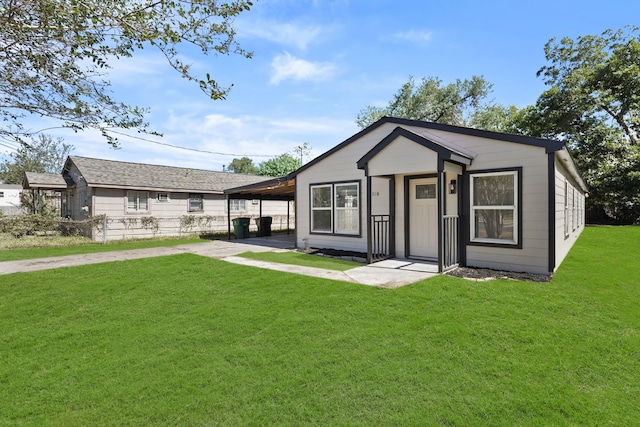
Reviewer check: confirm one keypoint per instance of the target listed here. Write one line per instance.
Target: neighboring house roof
(10, 187)
(44, 180)
(116, 174)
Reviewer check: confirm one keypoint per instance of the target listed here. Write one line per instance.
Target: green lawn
(187, 340)
(45, 252)
(307, 260)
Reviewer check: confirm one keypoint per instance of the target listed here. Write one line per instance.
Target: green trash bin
(241, 227)
(264, 226)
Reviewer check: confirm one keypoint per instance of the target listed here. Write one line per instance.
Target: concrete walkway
(388, 274)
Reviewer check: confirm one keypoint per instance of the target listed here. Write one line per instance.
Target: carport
(279, 189)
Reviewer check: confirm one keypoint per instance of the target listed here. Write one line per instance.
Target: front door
(423, 218)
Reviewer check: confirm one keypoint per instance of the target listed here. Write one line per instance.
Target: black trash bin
(264, 226)
(241, 227)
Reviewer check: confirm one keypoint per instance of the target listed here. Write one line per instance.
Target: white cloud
(286, 34)
(286, 67)
(414, 36)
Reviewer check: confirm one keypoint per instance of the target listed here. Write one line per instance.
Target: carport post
(228, 218)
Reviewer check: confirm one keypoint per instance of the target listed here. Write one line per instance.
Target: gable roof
(549, 144)
(128, 175)
(445, 150)
(45, 180)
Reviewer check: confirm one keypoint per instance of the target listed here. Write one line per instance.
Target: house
(143, 200)
(451, 195)
(10, 199)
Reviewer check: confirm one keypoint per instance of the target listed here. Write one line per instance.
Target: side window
(137, 201)
(196, 202)
(237, 205)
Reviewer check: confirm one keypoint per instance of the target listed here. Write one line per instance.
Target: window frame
(516, 208)
(137, 209)
(333, 209)
(163, 197)
(195, 196)
(239, 208)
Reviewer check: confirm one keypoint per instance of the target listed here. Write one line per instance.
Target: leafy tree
(432, 101)
(43, 154)
(593, 103)
(279, 166)
(54, 55)
(243, 165)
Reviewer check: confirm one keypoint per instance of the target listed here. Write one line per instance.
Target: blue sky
(317, 63)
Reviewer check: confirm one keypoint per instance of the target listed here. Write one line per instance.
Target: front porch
(413, 205)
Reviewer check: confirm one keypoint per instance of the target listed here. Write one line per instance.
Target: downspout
(551, 208)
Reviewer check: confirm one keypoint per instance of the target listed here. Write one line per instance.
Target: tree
(431, 101)
(54, 56)
(43, 154)
(244, 165)
(279, 166)
(593, 103)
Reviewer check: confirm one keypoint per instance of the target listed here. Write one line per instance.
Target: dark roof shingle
(111, 173)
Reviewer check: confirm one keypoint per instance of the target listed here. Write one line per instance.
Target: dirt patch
(489, 274)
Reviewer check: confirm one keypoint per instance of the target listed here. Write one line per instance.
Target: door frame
(407, 207)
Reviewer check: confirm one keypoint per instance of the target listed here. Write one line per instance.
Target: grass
(194, 341)
(297, 258)
(74, 248)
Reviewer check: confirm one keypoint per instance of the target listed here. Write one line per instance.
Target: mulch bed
(489, 274)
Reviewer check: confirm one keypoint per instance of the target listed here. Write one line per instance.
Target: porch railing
(381, 245)
(451, 251)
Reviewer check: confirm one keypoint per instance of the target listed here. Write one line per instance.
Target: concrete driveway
(388, 274)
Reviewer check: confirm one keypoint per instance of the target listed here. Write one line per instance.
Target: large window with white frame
(137, 201)
(494, 207)
(335, 208)
(237, 205)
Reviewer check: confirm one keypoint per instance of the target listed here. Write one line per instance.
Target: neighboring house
(452, 195)
(10, 199)
(142, 200)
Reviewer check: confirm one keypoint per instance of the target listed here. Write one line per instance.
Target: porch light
(453, 186)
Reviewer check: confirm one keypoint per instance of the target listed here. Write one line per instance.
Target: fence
(103, 228)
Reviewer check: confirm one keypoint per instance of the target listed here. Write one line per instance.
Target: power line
(192, 149)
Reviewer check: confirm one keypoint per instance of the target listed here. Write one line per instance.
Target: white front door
(423, 218)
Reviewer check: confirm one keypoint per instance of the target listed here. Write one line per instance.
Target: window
(427, 191)
(237, 205)
(321, 209)
(494, 207)
(1, 194)
(566, 209)
(137, 201)
(347, 212)
(335, 208)
(163, 197)
(196, 202)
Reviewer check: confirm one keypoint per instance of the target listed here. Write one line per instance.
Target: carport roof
(281, 188)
